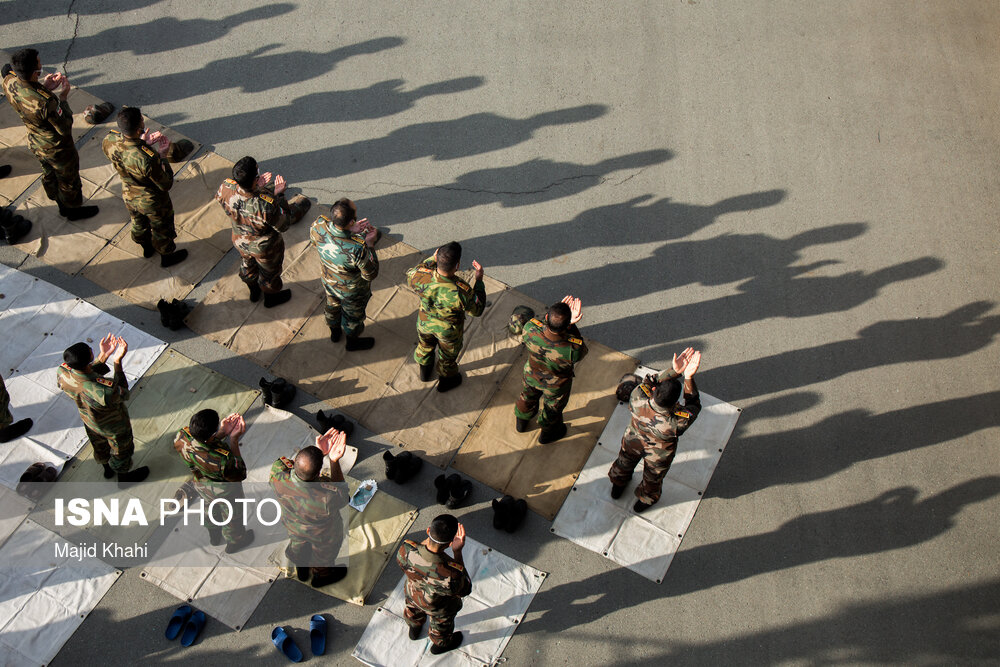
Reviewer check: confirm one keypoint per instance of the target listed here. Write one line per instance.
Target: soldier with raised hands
(101, 403)
(435, 582)
(211, 450)
(658, 420)
(346, 251)
(554, 347)
(311, 508)
(445, 299)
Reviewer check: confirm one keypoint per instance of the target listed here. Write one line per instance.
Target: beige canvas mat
(202, 229)
(514, 463)
(24, 171)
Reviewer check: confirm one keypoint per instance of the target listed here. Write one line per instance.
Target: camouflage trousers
(152, 224)
(115, 449)
(656, 462)
(60, 173)
(346, 309)
(449, 344)
(553, 399)
(6, 419)
(263, 268)
(305, 551)
(230, 491)
(442, 620)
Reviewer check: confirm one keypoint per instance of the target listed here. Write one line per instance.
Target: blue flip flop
(285, 644)
(317, 634)
(193, 628)
(177, 621)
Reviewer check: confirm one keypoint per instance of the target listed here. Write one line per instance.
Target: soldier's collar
(551, 335)
(440, 556)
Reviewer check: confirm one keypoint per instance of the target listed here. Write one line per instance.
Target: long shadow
(159, 35)
(531, 182)
(474, 134)
(963, 330)
(27, 11)
(376, 101)
(255, 72)
(894, 520)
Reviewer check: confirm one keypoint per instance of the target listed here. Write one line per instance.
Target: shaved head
(308, 463)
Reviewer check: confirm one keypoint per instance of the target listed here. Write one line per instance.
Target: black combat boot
(240, 544)
(427, 371)
(5, 171)
(77, 212)
(641, 507)
(15, 430)
(335, 334)
(108, 471)
(215, 537)
(302, 573)
(133, 476)
(414, 632)
(521, 425)
(254, 293)
(617, 491)
(278, 298)
(13, 226)
(265, 390)
(452, 643)
(147, 249)
(552, 433)
(179, 150)
(356, 343)
(329, 576)
(449, 382)
(176, 257)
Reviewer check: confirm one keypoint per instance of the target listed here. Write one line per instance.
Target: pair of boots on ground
(13, 227)
(445, 383)
(639, 507)
(550, 433)
(172, 313)
(277, 393)
(452, 490)
(298, 205)
(449, 644)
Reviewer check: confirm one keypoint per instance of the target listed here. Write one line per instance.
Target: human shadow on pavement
(260, 70)
(27, 11)
(158, 35)
(376, 101)
(531, 182)
(470, 135)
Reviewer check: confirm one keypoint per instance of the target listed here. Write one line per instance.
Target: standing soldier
(553, 350)
(349, 267)
(435, 582)
(102, 404)
(444, 300)
(657, 422)
(310, 508)
(50, 122)
(10, 429)
(260, 213)
(217, 469)
(146, 178)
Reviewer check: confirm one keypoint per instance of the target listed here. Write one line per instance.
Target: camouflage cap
(521, 316)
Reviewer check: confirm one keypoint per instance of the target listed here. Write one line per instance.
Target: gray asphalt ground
(806, 191)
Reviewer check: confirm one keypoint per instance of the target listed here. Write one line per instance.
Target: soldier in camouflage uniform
(553, 350)
(260, 213)
(9, 429)
(349, 267)
(657, 423)
(444, 300)
(49, 121)
(217, 468)
(310, 508)
(146, 180)
(102, 404)
(435, 582)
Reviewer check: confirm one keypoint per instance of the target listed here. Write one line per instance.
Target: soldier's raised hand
(479, 269)
(692, 365)
(333, 443)
(279, 184)
(459, 542)
(106, 346)
(680, 360)
(575, 308)
(121, 347)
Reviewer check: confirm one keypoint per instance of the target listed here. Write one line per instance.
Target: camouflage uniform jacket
(307, 507)
(433, 581)
(551, 361)
(348, 263)
(145, 175)
(258, 217)
(444, 301)
(101, 401)
(211, 461)
(49, 120)
(656, 426)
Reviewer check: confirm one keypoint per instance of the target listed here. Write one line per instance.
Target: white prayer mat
(502, 589)
(44, 597)
(645, 543)
(42, 320)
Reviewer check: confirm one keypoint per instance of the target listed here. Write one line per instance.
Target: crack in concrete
(76, 30)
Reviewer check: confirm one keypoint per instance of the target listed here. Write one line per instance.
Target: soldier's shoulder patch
(358, 237)
(287, 462)
(411, 543)
(44, 93)
(266, 197)
(223, 451)
(65, 365)
(424, 269)
(457, 566)
(683, 414)
(105, 382)
(575, 341)
(464, 286)
(646, 390)
(114, 132)
(148, 151)
(230, 181)
(537, 322)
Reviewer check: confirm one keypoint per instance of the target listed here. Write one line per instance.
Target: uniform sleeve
(411, 275)
(401, 558)
(235, 469)
(121, 385)
(367, 263)
(582, 350)
(59, 115)
(279, 217)
(461, 585)
(474, 302)
(692, 405)
(161, 173)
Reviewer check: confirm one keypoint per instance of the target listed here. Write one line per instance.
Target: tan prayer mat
(202, 228)
(514, 463)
